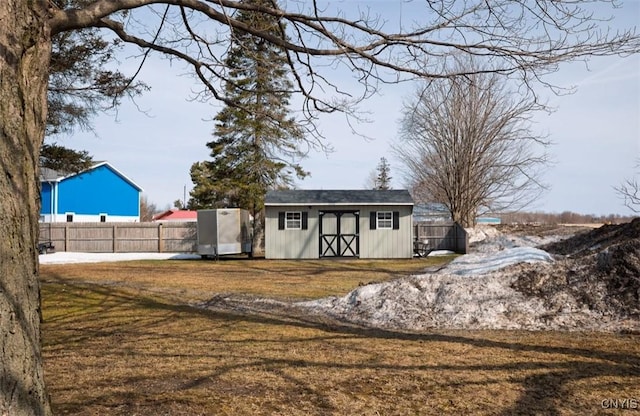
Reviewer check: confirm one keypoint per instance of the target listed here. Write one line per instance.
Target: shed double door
(339, 233)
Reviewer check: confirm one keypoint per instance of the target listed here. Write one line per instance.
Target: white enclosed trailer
(223, 231)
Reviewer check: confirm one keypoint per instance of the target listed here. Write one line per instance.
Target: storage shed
(311, 224)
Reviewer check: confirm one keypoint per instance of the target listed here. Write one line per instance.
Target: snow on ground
(481, 263)
(488, 239)
(475, 291)
(71, 257)
(471, 292)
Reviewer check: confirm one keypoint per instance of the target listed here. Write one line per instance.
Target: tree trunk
(258, 233)
(25, 48)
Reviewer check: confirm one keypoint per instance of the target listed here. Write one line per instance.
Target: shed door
(339, 233)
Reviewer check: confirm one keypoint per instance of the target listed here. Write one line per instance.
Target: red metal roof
(177, 215)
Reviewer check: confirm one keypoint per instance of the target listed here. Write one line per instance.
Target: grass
(120, 339)
(197, 280)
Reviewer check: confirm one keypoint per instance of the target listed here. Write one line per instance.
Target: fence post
(66, 237)
(115, 233)
(160, 242)
(462, 242)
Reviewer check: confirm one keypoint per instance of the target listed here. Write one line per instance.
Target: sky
(595, 131)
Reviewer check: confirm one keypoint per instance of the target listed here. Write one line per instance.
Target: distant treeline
(566, 217)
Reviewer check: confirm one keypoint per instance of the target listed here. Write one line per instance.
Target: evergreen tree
(256, 142)
(63, 159)
(383, 180)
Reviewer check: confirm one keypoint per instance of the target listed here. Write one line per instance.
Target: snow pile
(505, 284)
(471, 292)
(477, 263)
(63, 257)
(487, 239)
(481, 233)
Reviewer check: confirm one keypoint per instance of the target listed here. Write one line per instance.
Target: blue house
(98, 194)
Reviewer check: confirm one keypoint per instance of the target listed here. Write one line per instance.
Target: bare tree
(466, 143)
(629, 191)
(147, 209)
(370, 180)
(519, 38)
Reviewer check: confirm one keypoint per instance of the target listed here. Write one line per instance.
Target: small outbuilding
(311, 224)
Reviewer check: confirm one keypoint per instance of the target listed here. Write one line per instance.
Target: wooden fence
(181, 237)
(442, 236)
(121, 237)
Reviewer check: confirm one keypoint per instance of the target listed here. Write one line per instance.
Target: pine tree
(256, 141)
(63, 159)
(383, 180)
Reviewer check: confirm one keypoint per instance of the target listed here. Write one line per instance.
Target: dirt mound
(542, 230)
(585, 243)
(600, 269)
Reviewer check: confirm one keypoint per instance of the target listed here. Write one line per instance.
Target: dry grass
(119, 340)
(198, 280)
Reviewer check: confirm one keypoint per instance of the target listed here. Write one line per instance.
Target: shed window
(293, 220)
(69, 217)
(385, 220)
(103, 217)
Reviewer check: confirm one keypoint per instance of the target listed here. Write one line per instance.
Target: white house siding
(304, 244)
(62, 217)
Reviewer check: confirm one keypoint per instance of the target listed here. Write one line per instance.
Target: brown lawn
(120, 339)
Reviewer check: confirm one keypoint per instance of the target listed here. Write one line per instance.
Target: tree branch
(515, 38)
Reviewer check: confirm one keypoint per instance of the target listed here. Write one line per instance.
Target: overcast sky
(596, 134)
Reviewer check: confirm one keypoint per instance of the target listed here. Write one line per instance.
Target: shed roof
(339, 197)
(49, 175)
